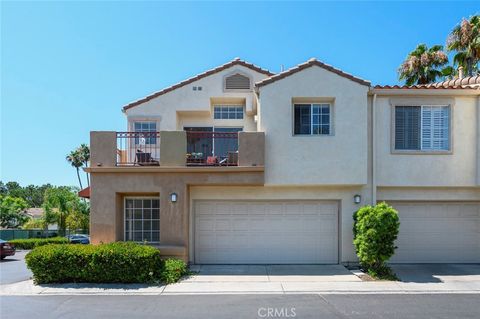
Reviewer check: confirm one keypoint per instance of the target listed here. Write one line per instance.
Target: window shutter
(237, 82)
(435, 128)
(407, 127)
(427, 128)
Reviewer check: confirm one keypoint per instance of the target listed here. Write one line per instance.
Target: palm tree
(58, 204)
(84, 152)
(465, 40)
(75, 159)
(423, 65)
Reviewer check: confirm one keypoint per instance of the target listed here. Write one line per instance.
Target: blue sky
(68, 67)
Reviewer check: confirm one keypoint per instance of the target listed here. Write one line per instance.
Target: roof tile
(470, 82)
(309, 63)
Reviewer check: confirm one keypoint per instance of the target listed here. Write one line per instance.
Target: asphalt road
(242, 306)
(13, 269)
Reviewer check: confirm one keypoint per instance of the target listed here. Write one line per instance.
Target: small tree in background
(375, 230)
(12, 211)
(79, 216)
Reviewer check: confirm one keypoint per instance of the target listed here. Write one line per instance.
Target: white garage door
(438, 232)
(266, 232)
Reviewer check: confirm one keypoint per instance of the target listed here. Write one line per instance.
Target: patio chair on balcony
(145, 159)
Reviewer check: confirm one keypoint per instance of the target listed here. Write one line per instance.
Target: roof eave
(424, 91)
(306, 65)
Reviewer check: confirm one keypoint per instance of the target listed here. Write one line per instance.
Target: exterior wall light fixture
(173, 197)
(357, 199)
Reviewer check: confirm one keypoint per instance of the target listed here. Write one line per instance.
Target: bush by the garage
(31, 243)
(375, 231)
(106, 263)
(173, 270)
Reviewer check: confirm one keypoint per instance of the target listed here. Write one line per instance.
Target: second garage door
(434, 232)
(266, 232)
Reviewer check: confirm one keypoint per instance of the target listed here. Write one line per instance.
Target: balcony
(138, 148)
(174, 149)
(212, 148)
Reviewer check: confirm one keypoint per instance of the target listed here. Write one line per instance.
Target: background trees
(423, 65)
(12, 211)
(465, 41)
(32, 194)
(61, 206)
(427, 65)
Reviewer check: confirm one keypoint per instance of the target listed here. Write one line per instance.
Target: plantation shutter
(407, 127)
(435, 128)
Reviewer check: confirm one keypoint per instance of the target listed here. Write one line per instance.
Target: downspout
(374, 152)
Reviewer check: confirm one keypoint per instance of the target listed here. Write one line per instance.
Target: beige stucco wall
(312, 160)
(194, 107)
(344, 195)
(456, 169)
(428, 194)
(109, 188)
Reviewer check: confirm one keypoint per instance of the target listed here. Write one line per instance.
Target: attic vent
(237, 82)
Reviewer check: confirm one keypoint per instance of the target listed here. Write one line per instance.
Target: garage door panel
(267, 232)
(438, 232)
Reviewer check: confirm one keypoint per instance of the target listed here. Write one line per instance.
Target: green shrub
(120, 262)
(173, 270)
(375, 231)
(35, 242)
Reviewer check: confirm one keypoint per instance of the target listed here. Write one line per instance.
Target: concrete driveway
(436, 273)
(271, 273)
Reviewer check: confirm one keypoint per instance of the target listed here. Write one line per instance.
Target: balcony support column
(173, 148)
(103, 149)
(251, 148)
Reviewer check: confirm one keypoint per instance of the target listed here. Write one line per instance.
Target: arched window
(237, 81)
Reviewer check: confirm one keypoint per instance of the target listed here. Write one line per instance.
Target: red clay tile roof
(470, 82)
(85, 193)
(308, 64)
(227, 65)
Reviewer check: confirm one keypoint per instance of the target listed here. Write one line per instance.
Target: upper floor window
(145, 127)
(312, 119)
(237, 81)
(223, 112)
(422, 128)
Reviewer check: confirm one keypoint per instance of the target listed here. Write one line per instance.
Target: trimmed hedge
(35, 242)
(120, 262)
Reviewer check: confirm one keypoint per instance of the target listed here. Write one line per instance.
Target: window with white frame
(142, 219)
(312, 119)
(145, 127)
(225, 112)
(422, 128)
